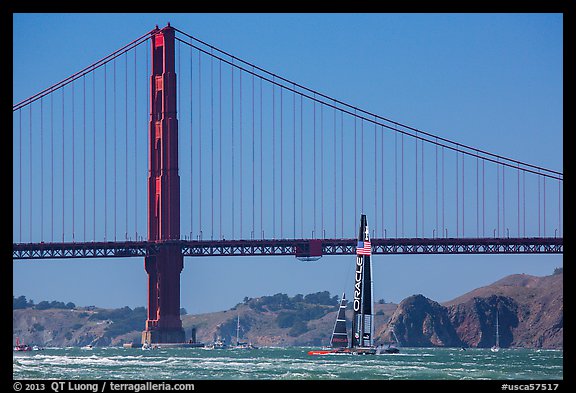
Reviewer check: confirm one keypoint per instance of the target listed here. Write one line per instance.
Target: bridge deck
(295, 247)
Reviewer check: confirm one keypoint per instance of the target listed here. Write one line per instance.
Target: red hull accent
(329, 351)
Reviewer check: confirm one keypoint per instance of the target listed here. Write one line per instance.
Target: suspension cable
(367, 115)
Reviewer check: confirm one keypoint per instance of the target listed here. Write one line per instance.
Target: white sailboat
(496, 347)
(241, 345)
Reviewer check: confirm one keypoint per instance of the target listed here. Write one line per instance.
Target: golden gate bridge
(240, 161)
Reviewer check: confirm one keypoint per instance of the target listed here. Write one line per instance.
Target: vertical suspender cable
(383, 231)
(483, 198)
(503, 204)
(94, 156)
(135, 149)
(73, 165)
(105, 158)
(342, 174)
(212, 147)
(544, 206)
(422, 188)
(294, 161)
(335, 194)
(402, 180)
(126, 147)
(30, 193)
(375, 180)
(253, 162)
(273, 159)
(416, 181)
(477, 199)
(115, 174)
(200, 143)
(322, 170)
(84, 155)
(220, 146)
(463, 198)
(559, 210)
(301, 166)
(355, 171)
(457, 196)
(281, 162)
(241, 169)
(539, 207)
(314, 165)
(498, 199)
(232, 145)
(436, 185)
(362, 164)
(261, 162)
(192, 145)
(444, 229)
(41, 169)
(524, 202)
(63, 166)
(241, 154)
(20, 174)
(518, 200)
(51, 167)
(396, 184)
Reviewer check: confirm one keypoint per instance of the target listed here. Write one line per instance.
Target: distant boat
(19, 347)
(389, 348)
(88, 347)
(496, 347)
(362, 338)
(217, 344)
(239, 344)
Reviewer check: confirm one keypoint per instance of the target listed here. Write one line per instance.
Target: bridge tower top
(163, 178)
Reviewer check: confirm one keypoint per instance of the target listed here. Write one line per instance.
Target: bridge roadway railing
(300, 248)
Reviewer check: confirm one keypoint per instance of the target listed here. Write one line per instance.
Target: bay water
(293, 363)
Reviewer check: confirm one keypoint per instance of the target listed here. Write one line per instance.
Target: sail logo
(358, 283)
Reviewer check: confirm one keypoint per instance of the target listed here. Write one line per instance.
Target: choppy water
(285, 363)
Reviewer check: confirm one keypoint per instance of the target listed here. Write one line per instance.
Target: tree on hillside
(558, 270)
(20, 302)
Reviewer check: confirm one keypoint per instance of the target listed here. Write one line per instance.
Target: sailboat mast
(497, 332)
(362, 326)
(238, 331)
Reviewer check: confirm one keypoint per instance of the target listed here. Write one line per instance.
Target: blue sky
(492, 81)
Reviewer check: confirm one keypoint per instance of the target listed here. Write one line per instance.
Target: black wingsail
(340, 335)
(362, 323)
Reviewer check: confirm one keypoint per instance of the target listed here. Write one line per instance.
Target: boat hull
(343, 351)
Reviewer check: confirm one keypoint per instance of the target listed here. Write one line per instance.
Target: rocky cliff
(530, 311)
(421, 322)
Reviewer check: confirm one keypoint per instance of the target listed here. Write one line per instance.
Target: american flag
(364, 248)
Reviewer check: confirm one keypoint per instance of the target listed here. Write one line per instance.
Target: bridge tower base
(163, 336)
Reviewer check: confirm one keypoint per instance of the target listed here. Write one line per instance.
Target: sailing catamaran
(339, 339)
(362, 340)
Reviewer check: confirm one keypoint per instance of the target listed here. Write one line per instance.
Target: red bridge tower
(163, 324)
